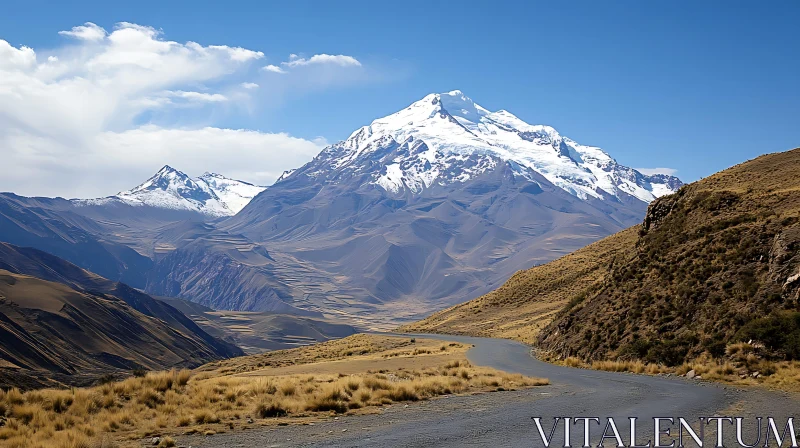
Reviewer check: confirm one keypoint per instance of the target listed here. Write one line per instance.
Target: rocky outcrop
(658, 210)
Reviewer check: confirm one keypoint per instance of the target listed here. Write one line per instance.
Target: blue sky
(693, 86)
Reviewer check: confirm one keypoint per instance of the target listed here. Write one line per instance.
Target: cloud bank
(651, 171)
(104, 110)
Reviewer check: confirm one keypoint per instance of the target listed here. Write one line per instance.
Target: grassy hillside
(712, 265)
(530, 299)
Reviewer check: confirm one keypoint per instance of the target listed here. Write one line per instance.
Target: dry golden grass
(353, 347)
(743, 366)
(231, 395)
(635, 366)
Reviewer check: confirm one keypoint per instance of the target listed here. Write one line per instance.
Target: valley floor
(360, 374)
(505, 419)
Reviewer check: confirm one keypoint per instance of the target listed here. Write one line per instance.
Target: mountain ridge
(210, 194)
(44, 266)
(460, 139)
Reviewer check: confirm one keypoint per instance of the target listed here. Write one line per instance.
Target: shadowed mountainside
(50, 331)
(39, 264)
(52, 225)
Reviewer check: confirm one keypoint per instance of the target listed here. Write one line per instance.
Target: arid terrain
(255, 332)
(530, 299)
(355, 375)
(503, 419)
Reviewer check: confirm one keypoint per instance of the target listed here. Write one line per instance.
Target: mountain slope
(256, 332)
(35, 263)
(53, 226)
(49, 330)
(211, 194)
(222, 271)
(531, 298)
(713, 264)
(235, 194)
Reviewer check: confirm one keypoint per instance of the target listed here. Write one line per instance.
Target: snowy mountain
(234, 194)
(432, 205)
(210, 194)
(436, 204)
(446, 138)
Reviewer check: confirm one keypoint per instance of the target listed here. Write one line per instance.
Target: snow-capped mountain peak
(210, 194)
(174, 182)
(453, 128)
(235, 194)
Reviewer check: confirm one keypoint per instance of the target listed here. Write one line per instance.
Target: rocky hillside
(713, 264)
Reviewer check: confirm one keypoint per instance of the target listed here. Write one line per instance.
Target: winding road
(504, 419)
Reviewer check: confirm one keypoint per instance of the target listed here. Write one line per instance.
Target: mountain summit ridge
(449, 138)
(209, 194)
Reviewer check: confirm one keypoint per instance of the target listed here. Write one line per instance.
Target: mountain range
(430, 206)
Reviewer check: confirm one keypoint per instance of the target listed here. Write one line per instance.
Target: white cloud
(198, 96)
(651, 171)
(296, 61)
(339, 59)
(110, 162)
(273, 69)
(103, 111)
(88, 31)
(13, 58)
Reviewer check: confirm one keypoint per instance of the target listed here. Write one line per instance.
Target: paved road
(504, 419)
